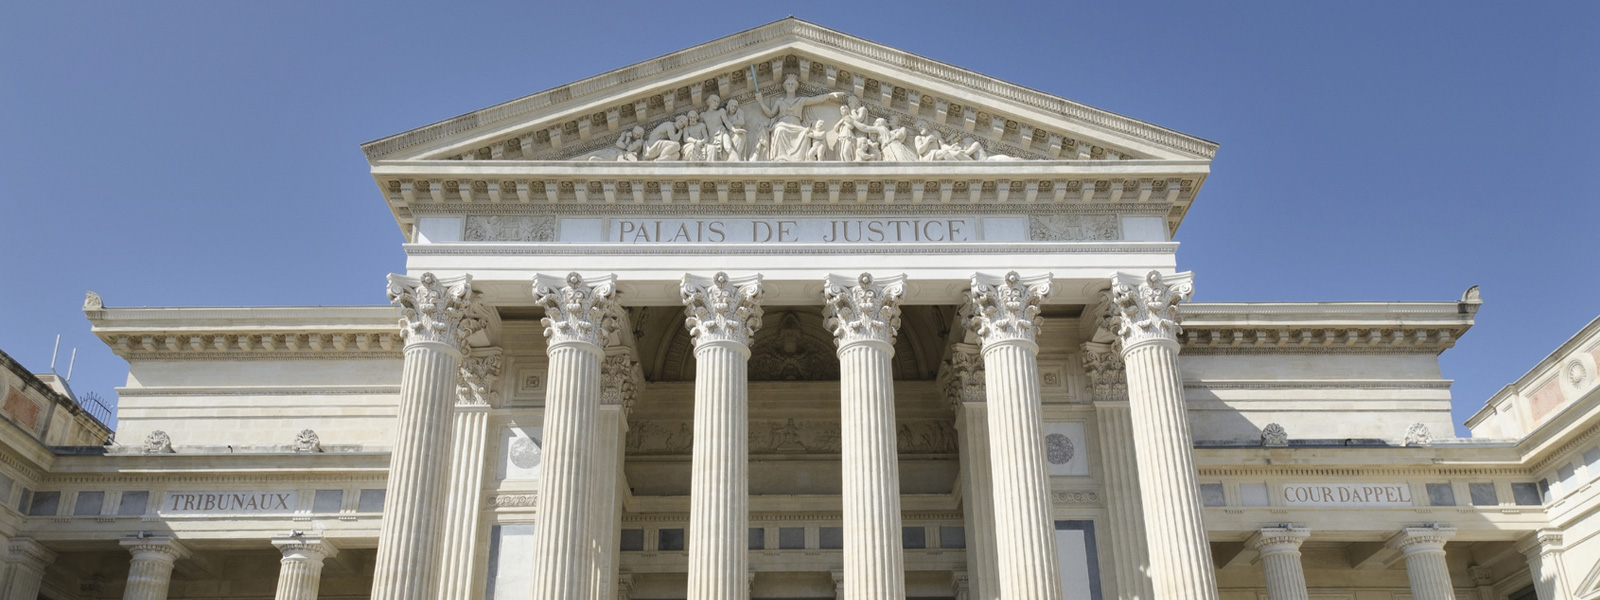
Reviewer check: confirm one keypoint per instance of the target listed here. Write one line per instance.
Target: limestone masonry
(791, 315)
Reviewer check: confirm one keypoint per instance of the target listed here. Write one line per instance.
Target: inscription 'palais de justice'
(808, 231)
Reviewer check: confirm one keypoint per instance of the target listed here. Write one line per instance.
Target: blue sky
(206, 153)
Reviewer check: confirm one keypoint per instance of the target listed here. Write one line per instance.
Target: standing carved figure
(787, 136)
(715, 120)
(891, 139)
(734, 136)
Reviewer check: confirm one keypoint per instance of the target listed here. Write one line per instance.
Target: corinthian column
(620, 376)
(723, 314)
(965, 388)
(1543, 551)
(475, 395)
(1279, 548)
(25, 574)
(435, 325)
(1129, 548)
(150, 572)
(577, 325)
(1146, 324)
(863, 315)
(301, 570)
(1423, 548)
(1005, 317)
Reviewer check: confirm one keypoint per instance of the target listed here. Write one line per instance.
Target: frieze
(1074, 497)
(789, 436)
(1074, 228)
(494, 228)
(514, 500)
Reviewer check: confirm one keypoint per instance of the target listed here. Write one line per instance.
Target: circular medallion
(1576, 374)
(1058, 448)
(525, 453)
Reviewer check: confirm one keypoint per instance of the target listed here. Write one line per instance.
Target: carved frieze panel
(1074, 228)
(788, 436)
(516, 228)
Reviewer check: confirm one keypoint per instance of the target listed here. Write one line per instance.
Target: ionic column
(301, 570)
(723, 315)
(1005, 317)
(1423, 548)
(863, 315)
(435, 327)
(22, 571)
(150, 572)
(475, 395)
(965, 388)
(1543, 550)
(577, 325)
(1146, 322)
(1114, 421)
(1279, 548)
(619, 376)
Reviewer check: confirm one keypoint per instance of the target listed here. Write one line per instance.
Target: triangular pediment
(628, 113)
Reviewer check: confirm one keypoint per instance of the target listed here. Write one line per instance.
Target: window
(89, 503)
(44, 504)
(1483, 494)
(1211, 494)
(758, 538)
(952, 537)
(1525, 493)
(913, 538)
(831, 538)
(371, 501)
(791, 538)
(670, 539)
(632, 540)
(327, 501)
(1441, 494)
(133, 504)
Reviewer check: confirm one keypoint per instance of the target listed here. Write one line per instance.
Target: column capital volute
(156, 548)
(578, 310)
(1541, 542)
(1276, 540)
(1145, 308)
(310, 547)
(434, 310)
(31, 552)
(475, 384)
(722, 308)
(863, 309)
(1006, 308)
(1415, 540)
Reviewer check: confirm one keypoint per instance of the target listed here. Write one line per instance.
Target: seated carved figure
(666, 140)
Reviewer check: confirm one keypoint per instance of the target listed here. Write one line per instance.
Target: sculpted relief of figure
(787, 137)
(723, 130)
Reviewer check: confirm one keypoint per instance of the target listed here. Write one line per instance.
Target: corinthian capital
(721, 309)
(862, 309)
(576, 310)
(1007, 308)
(963, 375)
(434, 310)
(1108, 377)
(619, 378)
(1147, 308)
(475, 385)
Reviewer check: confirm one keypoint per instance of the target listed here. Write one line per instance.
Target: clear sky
(206, 153)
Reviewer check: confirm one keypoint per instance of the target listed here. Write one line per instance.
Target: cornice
(1269, 338)
(578, 93)
(343, 390)
(525, 249)
(1317, 384)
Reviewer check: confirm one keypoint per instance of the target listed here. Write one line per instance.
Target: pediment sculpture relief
(793, 127)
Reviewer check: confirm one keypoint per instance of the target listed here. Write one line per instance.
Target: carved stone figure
(1274, 436)
(929, 144)
(734, 133)
(1418, 435)
(787, 136)
(307, 441)
(818, 140)
(630, 143)
(666, 140)
(715, 120)
(891, 139)
(697, 140)
(867, 150)
(158, 442)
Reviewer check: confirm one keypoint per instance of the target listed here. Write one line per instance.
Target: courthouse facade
(791, 314)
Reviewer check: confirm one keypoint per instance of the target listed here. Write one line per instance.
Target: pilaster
(619, 376)
(964, 387)
(723, 315)
(1543, 551)
(1006, 319)
(476, 394)
(1146, 322)
(435, 324)
(864, 313)
(24, 566)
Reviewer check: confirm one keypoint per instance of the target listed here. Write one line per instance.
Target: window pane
(1441, 494)
(831, 538)
(671, 539)
(1483, 494)
(913, 537)
(632, 540)
(758, 538)
(89, 503)
(133, 503)
(952, 537)
(791, 538)
(1525, 494)
(1211, 494)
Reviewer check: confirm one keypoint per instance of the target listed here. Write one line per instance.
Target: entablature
(248, 332)
(1324, 327)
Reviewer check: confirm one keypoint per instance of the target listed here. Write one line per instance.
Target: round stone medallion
(525, 453)
(1058, 448)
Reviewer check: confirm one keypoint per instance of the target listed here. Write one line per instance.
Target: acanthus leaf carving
(307, 441)
(722, 309)
(1147, 309)
(1274, 436)
(475, 382)
(434, 310)
(576, 309)
(158, 442)
(1108, 376)
(619, 378)
(1007, 308)
(964, 375)
(863, 308)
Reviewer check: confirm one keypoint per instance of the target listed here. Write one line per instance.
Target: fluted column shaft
(719, 500)
(562, 540)
(1180, 565)
(467, 449)
(1029, 566)
(874, 561)
(579, 321)
(300, 572)
(722, 315)
(150, 571)
(1429, 574)
(1279, 548)
(606, 499)
(435, 328)
(977, 500)
(22, 569)
(864, 315)
(1543, 551)
(1130, 550)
